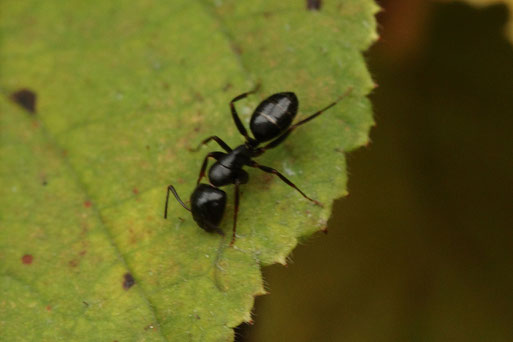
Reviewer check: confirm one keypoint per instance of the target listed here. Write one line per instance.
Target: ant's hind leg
(282, 137)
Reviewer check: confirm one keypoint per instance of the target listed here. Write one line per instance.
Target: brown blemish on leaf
(25, 98)
(313, 5)
(227, 87)
(267, 180)
(135, 191)
(129, 281)
(48, 308)
(27, 259)
(73, 263)
(199, 97)
(87, 204)
(237, 49)
(133, 236)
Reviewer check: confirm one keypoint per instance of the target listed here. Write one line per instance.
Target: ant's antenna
(172, 189)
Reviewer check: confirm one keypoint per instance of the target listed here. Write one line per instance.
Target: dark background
(421, 250)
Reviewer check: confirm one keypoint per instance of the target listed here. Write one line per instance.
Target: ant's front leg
(216, 156)
(235, 212)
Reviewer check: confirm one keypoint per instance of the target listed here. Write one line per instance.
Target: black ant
(271, 120)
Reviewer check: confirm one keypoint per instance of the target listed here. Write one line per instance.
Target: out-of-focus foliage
(422, 249)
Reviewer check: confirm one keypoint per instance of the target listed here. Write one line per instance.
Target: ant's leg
(283, 178)
(282, 137)
(217, 140)
(235, 212)
(172, 189)
(235, 116)
(216, 156)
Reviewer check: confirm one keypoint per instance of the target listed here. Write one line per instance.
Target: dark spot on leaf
(165, 85)
(45, 183)
(87, 204)
(237, 49)
(148, 147)
(181, 219)
(48, 308)
(83, 252)
(25, 98)
(313, 5)
(135, 191)
(197, 317)
(129, 281)
(73, 263)
(267, 14)
(27, 259)
(199, 97)
(85, 303)
(227, 87)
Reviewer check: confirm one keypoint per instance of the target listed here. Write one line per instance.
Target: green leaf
(123, 90)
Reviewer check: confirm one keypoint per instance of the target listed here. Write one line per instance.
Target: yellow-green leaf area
(123, 91)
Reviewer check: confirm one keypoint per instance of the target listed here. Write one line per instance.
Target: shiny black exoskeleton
(271, 120)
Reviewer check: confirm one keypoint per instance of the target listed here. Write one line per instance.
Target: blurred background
(422, 248)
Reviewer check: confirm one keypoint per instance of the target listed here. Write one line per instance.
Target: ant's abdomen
(273, 116)
(207, 207)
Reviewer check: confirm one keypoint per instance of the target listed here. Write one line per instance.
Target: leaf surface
(122, 92)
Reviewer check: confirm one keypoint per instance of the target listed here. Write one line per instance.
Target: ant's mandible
(271, 120)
